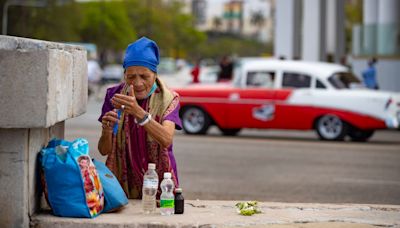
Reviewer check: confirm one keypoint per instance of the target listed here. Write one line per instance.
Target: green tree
(186, 36)
(45, 22)
(257, 19)
(165, 23)
(217, 23)
(219, 45)
(106, 24)
(353, 15)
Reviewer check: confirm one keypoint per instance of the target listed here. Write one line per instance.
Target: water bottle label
(150, 183)
(167, 203)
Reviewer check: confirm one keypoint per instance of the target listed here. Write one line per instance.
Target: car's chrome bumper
(393, 122)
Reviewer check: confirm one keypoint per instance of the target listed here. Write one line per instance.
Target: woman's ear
(124, 77)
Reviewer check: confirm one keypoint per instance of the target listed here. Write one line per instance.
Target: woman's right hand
(109, 119)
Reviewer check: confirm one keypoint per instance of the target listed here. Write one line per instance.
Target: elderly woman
(139, 118)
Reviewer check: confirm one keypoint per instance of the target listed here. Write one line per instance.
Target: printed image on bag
(93, 188)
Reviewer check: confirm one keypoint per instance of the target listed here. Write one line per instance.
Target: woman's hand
(109, 119)
(105, 142)
(128, 104)
(163, 133)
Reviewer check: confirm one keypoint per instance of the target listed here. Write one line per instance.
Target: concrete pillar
(388, 12)
(370, 19)
(356, 41)
(41, 85)
(388, 27)
(335, 35)
(370, 12)
(314, 30)
(287, 29)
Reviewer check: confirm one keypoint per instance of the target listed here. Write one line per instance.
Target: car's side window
(296, 80)
(320, 85)
(260, 79)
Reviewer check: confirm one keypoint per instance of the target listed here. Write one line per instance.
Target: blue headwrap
(143, 52)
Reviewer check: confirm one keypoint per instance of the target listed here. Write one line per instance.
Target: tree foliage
(106, 24)
(112, 25)
(44, 22)
(353, 14)
(220, 44)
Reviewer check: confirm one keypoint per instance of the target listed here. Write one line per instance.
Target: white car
(113, 73)
(283, 94)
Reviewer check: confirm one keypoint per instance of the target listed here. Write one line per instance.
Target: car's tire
(358, 135)
(331, 127)
(195, 120)
(230, 131)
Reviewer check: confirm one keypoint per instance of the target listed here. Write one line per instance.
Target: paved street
(282, 166)
(289, 169)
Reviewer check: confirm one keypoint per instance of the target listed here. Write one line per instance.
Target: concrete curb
(223, 214)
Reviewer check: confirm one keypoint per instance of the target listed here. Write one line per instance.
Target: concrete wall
(19, 190)
(41, 80)
(41, 85)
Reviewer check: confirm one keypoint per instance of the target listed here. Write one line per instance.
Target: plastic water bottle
(149, 190)
(167, 199)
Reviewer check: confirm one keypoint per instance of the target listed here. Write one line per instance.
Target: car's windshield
(344, 80)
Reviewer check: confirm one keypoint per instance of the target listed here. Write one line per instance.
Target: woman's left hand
(128, 103)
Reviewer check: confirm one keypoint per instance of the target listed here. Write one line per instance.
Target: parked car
(276, 94)
(112, 73)
(167, 66)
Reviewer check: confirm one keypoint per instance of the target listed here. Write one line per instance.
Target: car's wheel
(230, 131)
(331, 127)
(195, 120)
(359, 135)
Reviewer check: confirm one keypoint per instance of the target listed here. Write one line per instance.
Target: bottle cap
(152, 166)
(178, 190)
(167, 175)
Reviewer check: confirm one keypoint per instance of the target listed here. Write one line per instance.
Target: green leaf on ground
(248, 208)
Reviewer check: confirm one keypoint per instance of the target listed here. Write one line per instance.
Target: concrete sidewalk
(223, 214)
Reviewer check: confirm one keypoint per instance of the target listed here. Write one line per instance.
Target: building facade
(252, 18)
(314, 30)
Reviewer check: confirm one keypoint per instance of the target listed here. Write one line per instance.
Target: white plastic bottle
(167, 199)
(149, 190)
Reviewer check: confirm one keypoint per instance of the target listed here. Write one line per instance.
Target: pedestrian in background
(226, 69)
(369, 75)
(195, 72)
(139, 118)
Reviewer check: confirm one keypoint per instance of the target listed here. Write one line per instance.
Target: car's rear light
(388, 103)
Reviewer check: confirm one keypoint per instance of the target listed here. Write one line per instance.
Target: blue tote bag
(71, 180)
(114, 195)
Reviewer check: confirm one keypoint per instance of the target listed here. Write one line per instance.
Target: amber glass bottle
(179, 201)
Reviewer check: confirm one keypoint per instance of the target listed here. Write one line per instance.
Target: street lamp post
(8, 3)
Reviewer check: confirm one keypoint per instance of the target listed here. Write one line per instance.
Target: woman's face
(142, 80)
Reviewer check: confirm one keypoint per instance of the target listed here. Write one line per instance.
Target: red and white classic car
(276, 94)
